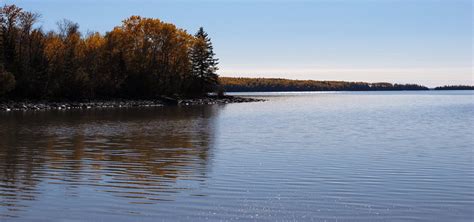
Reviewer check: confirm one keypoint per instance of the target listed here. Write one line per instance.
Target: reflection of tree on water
(17, 173)
(146, 155)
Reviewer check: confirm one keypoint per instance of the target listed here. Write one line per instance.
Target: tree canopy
(141, 58)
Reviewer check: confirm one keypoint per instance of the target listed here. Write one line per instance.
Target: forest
(272, 84)
(141, 58)
(455, 87)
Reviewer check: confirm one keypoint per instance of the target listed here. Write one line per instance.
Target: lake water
(347, 156)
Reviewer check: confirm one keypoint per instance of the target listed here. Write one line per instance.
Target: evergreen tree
(204, 65)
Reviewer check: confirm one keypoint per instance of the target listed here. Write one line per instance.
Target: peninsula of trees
(455, 87)
(142, 58)
(271, 84)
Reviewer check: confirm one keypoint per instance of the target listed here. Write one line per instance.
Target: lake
(332, 156)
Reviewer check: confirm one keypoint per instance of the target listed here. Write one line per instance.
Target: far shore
(245, 84)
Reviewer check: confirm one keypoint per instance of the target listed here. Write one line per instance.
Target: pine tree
(204, 65)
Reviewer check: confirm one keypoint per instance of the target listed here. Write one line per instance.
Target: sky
(427, 42)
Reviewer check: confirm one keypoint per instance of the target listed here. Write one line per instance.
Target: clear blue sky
(418, 41)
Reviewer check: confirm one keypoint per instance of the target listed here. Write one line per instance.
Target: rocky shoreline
(6, 106)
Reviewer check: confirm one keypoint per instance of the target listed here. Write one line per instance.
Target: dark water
(384, 156)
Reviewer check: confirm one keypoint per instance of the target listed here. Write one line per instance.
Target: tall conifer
(204, 65)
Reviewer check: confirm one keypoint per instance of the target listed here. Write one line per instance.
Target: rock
(169, 101)
(8, 106)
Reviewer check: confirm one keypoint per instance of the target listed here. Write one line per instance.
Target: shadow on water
(142, 156)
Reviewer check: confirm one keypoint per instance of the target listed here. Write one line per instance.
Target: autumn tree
(74, 78)
(9, 19)
(153, 55)
(93, 61)
(21, 49)
(38, 75)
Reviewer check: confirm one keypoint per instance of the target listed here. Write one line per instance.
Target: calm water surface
(384, 156)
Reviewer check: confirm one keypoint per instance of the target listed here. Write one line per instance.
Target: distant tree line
(141, 58)
(269, 85)
(456, 87)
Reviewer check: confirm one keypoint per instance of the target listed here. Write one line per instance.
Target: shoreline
(10, 105)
